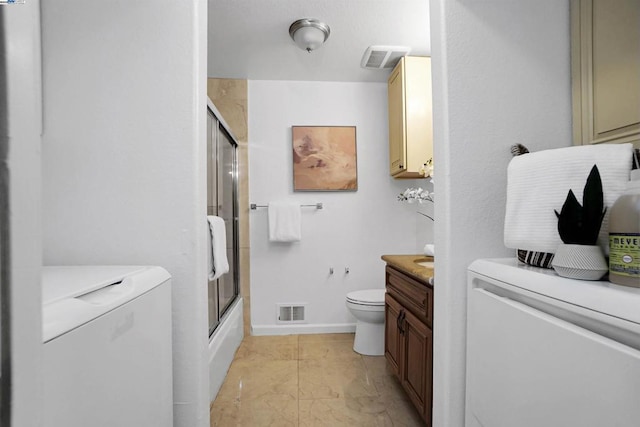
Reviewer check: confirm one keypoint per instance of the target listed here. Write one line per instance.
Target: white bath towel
(539, 182)
(284, 222)
(218, 262)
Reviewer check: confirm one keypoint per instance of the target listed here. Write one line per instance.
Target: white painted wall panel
(353, 230)
(21, 36)
(501, 76)
(124, 157)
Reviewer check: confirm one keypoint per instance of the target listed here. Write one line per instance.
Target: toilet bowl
(368, 308)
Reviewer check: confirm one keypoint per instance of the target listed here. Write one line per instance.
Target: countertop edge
(408, 265)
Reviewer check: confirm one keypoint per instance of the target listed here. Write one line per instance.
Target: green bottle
(624, 235)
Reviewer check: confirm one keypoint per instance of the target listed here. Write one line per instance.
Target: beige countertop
(409, 264)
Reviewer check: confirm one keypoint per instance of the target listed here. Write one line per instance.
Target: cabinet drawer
(416, 296)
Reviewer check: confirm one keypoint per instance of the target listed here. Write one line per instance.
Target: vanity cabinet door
(392, 338)
(417, 362)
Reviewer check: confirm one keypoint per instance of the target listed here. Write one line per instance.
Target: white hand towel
(284, 222)
(538, 183)
(429, 249)
(218, 263)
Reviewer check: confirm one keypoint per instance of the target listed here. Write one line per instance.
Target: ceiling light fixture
(309, 34)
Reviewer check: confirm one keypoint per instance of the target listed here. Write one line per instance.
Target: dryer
(107, 346)
(543, 350)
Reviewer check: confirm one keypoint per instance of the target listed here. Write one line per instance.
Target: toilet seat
(370, 297)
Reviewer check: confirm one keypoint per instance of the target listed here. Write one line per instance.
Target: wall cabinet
(409, 338)
(410, 117)
(605, 69)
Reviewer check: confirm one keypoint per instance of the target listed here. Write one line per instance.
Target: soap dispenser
(624, 235)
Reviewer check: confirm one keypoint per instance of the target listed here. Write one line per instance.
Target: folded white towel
(218, 263)
(284, 222)
(539, 182)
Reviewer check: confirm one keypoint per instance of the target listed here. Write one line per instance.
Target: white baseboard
(330, 328)
(222, 347)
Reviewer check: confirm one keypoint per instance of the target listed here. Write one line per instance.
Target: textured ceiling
(249, 39)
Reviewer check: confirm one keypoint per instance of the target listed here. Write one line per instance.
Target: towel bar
(253, 206)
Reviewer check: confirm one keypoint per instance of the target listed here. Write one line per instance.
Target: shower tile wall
(230, 98)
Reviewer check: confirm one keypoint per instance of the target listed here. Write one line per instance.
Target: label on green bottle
(624, 254)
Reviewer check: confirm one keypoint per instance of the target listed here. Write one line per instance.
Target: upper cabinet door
(397, 134)
(410, 118)
(605, 67)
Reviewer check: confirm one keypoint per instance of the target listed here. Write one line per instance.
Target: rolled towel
(429, 249)
(284, 222)
(218, 262)
(538, 183)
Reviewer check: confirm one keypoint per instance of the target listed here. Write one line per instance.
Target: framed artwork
(324, 158)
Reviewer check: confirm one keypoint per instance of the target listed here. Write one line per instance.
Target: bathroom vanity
(408, 326)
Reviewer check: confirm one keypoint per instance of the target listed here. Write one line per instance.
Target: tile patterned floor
(309, 380)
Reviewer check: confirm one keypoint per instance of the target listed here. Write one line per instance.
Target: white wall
(22, 55)
(124, 157)
(501, 76)
(353, 230)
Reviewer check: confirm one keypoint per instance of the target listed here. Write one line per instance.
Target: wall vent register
(291, 313)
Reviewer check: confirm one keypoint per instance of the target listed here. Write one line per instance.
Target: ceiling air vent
(383, 57)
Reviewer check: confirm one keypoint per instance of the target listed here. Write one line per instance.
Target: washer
(107, 346)
(543, 350)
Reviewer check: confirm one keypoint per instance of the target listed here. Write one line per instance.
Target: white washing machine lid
(62, 282)
(75, 295)
(367, 297)
(598, 296)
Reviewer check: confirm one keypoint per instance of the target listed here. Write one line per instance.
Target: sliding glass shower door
(222, 200)
(227, 209)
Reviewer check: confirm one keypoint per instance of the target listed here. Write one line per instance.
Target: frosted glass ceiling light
(309, 34)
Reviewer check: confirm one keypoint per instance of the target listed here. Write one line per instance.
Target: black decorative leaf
(581, 224)
(593, 205)
(570, 220)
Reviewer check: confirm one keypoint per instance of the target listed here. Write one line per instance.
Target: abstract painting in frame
(324, 158)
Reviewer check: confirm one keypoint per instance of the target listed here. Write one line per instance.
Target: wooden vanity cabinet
(409, 338)
(410, 117)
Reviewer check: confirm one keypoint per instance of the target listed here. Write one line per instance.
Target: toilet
(367, 307)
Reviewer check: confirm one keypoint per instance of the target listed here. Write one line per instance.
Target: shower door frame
(216, 126)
